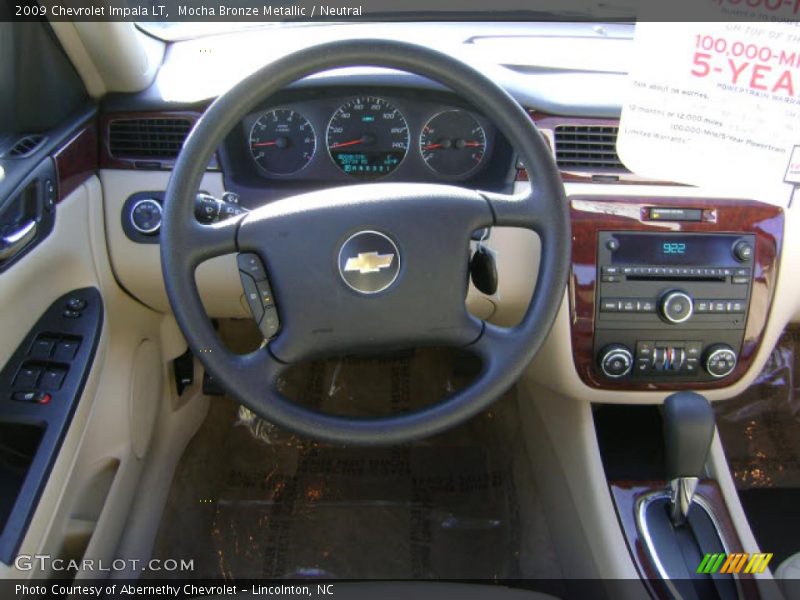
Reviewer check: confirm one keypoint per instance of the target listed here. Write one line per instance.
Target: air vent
(148, 138)
(25, 146)
(588, 148)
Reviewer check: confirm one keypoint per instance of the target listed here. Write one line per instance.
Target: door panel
(84, 503)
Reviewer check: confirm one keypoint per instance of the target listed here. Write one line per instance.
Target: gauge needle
(431, 146)
(260, 144)
(350, 143)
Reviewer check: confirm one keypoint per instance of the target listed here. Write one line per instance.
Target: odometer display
(367, 137)
(282, 141)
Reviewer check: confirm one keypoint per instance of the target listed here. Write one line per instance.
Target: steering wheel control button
(146, 216)
(743, 251)
(676, 307)
(720, 361)
(369, 262)
(270, 323)
(252, 265)
(616, 361)
(252, 296)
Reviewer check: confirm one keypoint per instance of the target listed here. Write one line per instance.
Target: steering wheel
(306, 240)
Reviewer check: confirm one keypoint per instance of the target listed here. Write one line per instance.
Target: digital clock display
(674, 249)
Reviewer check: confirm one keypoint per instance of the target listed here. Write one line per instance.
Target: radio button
(736, 306)
(702, 306)
(740, 280)
(646, 306)
(718, 307)
(676, 306)
(742, 272)
(612, 244)
(628, 305)
(610, 278)
(611, 270)
(609, 305)
(743, 251)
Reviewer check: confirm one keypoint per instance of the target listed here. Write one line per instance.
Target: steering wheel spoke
(524, 209)
(210, 241)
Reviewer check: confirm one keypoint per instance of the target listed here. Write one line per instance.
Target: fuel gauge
(453, 143)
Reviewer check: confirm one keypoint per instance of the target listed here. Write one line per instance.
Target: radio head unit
(671, 305)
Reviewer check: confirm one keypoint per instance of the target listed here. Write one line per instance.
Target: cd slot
(716, 279)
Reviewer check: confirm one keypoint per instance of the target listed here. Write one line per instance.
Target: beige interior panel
(88, 494)
(138, 266)
(110, 56)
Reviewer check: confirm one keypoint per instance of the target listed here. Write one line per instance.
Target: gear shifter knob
(688, 432)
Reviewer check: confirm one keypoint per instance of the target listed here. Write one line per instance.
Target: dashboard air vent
(587, 147)
(148, 138)
(25, 146)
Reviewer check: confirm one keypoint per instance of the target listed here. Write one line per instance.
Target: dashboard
(366, 126)
(332, 136)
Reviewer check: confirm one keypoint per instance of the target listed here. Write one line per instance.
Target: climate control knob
(720, 360)
(616, 361)
(676, 306)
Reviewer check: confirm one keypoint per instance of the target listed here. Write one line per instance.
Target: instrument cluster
(367, 138)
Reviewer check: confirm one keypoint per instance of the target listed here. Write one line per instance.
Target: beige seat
(423, 590)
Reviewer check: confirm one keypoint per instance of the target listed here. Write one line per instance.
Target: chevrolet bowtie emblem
(369, 262)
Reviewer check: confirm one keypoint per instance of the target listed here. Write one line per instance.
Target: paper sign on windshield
(715, 105)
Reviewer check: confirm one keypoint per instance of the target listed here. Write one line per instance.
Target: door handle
(15, 241)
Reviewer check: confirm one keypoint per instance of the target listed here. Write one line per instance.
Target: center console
(670, 293)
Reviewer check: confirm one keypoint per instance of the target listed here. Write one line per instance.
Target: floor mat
(760, 431)
(252, 501)
(773, 516)
(760, 428)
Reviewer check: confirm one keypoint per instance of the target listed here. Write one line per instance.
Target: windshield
(412, 10)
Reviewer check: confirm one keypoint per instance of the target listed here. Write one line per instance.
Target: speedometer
(367, 137)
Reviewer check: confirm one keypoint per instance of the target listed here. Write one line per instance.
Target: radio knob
(616, 361)
(676, 306)
(720, 360)
(743, 251)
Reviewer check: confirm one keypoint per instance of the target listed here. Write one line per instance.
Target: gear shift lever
(688, 432)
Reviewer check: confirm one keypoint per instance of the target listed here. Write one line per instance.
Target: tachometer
(367, 137)
(453, 143)
(282, 141)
